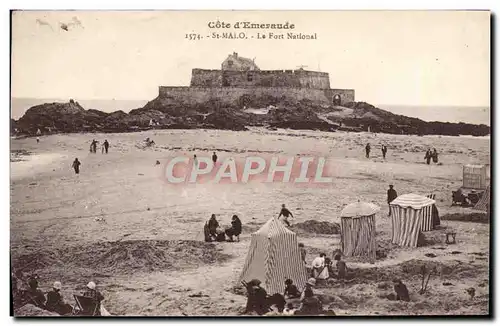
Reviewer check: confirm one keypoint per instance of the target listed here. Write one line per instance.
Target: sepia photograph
(193, 163)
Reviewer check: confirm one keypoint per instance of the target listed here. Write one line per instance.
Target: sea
(466, 114)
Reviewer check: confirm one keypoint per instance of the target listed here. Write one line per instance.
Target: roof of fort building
(235, 62)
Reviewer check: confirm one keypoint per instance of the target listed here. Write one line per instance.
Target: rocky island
(235, 97)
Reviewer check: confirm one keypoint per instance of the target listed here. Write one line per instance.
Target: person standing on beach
(367, 149)
(93, 146)
(384, 151)
(391, 195)
(341, 268)
(76, 165)
(428, 156)
(214, 158)
(303, 252)
(286, 213)
(435, 155)
(106, 145)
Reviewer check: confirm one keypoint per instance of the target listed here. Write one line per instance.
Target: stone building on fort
(240, 78)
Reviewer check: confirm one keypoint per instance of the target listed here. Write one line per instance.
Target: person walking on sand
(428, 156)
(93, 146)
(214, 158)
(384, 151)
(286, 213)
(367, 149)
(391, 195)
(435, 156)
(76, 165)
(106, 145)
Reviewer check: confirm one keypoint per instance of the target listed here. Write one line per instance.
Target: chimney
(235, 55)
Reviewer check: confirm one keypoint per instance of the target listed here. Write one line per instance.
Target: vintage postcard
(250, 163)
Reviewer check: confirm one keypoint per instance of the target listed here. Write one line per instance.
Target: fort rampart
(235, 96)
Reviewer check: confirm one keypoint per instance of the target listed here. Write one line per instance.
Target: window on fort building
(230, 63)
(249, 77)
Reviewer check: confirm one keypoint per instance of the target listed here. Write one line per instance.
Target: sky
(428, 58)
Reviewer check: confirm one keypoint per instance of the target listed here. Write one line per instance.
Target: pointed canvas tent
(430, 216)
(407, 213)
(484, 203)
(358, 230)
(273, 257)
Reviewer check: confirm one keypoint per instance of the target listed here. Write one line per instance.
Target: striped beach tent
(427, 215)
(484, 203)
(273, 257)
(407, 212)
(358, 230)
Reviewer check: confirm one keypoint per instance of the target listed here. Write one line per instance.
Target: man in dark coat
(384, 151)
(76, 165)
(391, 195)
(214, 158)
(106, 146)
(428, 156)
(367, 149)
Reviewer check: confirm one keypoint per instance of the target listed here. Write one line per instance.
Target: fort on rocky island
(240, 80)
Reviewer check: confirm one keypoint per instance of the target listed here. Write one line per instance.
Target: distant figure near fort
(367, 149)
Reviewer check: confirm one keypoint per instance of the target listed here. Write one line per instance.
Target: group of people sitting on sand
(291, 302)
(322, 267)
(214, 232)
(53, 300)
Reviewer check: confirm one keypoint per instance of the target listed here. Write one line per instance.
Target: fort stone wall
(260, 78)
(235, 96)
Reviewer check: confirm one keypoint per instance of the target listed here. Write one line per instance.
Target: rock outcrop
(166, 113)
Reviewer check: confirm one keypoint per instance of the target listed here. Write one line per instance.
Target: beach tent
(358, 230)
(273, 257)
(430, 216)
(484, 203)
(407, 212)
(474, 176)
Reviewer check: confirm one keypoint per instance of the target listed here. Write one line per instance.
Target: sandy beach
(147, 254)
